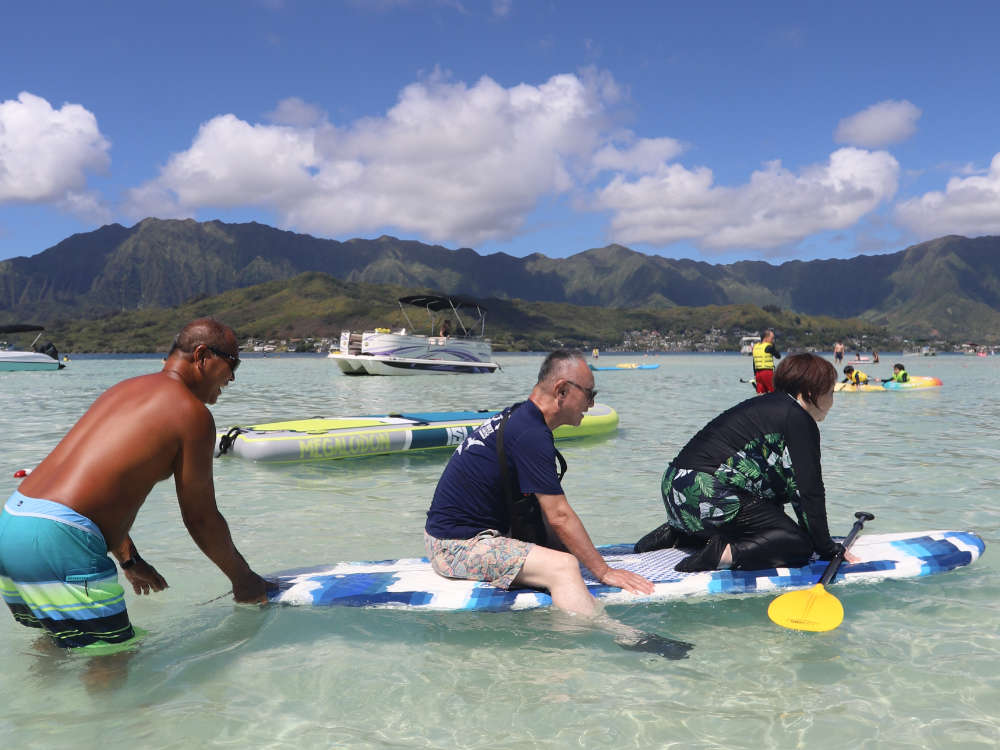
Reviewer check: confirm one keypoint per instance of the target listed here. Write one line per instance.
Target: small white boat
(386, 352)
(747, 342)
(38, 358)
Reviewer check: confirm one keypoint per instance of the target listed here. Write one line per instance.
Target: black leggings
(761, 536)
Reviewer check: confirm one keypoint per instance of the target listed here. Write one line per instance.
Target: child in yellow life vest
(855, 377)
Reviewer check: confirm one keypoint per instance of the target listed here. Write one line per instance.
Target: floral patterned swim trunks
(488, 556)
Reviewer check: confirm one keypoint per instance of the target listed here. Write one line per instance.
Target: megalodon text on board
(339, 447)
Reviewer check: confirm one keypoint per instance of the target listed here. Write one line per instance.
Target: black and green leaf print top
(766, 448)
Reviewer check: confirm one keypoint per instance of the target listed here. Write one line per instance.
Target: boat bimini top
(25, 328)
(437, 303)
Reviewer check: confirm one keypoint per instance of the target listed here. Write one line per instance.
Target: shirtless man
(79, 504)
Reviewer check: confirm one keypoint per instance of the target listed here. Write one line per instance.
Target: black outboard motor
(48, 348)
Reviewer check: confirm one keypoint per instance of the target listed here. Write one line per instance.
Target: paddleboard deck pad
(412, 584)
(624, 366)
(323, 438)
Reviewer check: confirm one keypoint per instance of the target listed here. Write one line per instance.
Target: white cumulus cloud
(230, 163)
(968, 206)
(638, 156)
(466, 163)
(775, 208)
(46, 154)
(449, 161)
(297, 112)
(879, 125)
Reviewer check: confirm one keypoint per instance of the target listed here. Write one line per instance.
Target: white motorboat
(401, 352)
(44, 357)
(747, 342)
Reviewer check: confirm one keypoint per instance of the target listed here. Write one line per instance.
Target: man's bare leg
(559, 573)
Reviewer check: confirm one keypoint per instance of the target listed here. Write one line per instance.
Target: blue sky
(715, 131)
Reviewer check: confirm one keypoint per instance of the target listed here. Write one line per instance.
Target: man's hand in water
(626, 579)
(253, 589)
(143, 577)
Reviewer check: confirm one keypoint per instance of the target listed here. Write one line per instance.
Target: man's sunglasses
(590, 393)
(233, 362)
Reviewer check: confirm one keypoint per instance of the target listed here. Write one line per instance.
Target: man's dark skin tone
(140, 432)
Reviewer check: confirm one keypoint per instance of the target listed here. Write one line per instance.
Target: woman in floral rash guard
(725, 491)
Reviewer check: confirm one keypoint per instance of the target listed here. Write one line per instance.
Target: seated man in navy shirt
(499, 513)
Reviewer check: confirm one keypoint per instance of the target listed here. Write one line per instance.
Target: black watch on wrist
(126, 564)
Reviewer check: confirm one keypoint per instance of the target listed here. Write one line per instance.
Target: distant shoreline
(884, 354)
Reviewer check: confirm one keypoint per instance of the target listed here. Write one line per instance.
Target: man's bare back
(128, 440)
(140, 432)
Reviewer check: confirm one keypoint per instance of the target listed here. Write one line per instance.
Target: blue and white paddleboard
(412, 584)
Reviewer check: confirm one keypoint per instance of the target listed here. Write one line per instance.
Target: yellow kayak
(916, 382)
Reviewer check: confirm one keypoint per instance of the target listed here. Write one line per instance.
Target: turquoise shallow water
(915, 663)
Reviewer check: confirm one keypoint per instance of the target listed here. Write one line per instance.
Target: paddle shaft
(834, 566)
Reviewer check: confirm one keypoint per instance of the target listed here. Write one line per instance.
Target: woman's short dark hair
(806, 375)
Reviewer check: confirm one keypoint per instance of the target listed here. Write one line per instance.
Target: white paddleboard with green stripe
(325, 438)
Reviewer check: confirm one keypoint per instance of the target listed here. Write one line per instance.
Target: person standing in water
(764, 354)
(79, 504)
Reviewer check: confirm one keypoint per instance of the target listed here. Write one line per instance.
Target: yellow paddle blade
(812, 609)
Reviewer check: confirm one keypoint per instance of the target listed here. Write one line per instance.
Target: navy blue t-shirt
(470, 496)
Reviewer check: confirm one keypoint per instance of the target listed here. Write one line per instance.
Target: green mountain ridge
(317, 305)
(948, 287)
